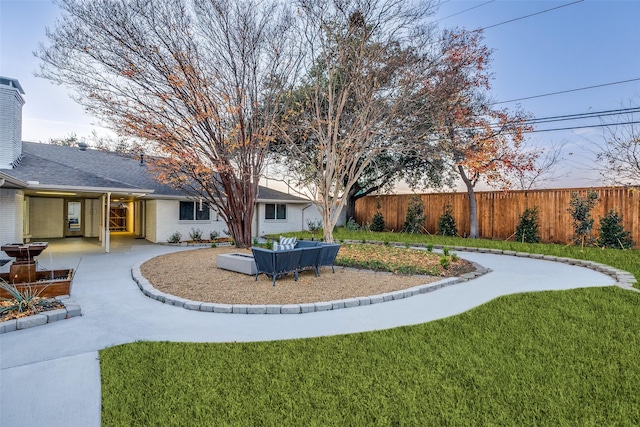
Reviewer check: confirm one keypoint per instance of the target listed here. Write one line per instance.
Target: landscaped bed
(194, 275)
(544, 359)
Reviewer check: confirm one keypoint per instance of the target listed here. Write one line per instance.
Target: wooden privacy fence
(499, 212)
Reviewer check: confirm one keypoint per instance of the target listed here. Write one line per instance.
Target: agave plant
(27, 299)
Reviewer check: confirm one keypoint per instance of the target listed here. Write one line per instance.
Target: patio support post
(107, 234)
(102, 220)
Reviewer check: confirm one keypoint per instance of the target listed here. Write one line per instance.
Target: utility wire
(601, 125)
(530, 15)
(538, 120)
(571, 117)
(567, 91)
(463, 11)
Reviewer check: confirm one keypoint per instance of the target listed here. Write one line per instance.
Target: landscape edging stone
(624, 279)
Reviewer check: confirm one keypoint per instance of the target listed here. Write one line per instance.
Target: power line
(531, 14)
(571, 117)
(463, 11)
(601, 125)
(593, 114)
(567, 91)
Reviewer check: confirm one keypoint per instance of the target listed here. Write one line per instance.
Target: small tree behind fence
(499, 212)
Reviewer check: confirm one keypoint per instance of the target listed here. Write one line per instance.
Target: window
(275, 211)
(194, 211)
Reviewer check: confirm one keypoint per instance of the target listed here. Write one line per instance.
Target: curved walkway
(49, 375)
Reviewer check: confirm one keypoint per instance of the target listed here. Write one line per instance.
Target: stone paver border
(623, 278)
(71, 309)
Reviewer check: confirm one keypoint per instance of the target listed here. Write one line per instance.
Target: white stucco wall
(166, 215)
(11, 216)
(297, 217)
(92, 217)
(46, 217)
(150, 220)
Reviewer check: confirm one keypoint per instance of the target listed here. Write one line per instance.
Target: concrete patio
(49, 375)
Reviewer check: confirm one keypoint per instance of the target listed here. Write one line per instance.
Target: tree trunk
(350, 206)
(327, 228)
(473, 209)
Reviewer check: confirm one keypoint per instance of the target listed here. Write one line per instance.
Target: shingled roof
(56, 165)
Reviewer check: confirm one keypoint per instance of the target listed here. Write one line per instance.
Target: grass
(399, 260)
(628, 260)
(547, 359)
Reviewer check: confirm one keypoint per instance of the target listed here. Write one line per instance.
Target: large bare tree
(200, 81)
(482, 143)
(619, 155)
(358, 100)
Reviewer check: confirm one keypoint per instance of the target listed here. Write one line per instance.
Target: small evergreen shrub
(580, 210)
(352, 225)
(447, 223)
(213, 235)
(527, 229)
(175, 237)
(429, 247)
(612, 233)
(445, 262)
(445, 251)
(377, 222)
(415, 218)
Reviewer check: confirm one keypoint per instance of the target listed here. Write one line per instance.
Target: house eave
(7, 181)
(44, 189)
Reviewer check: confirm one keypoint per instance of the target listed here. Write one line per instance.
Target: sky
(575, 45)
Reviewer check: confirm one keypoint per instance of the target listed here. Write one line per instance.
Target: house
(50, 191)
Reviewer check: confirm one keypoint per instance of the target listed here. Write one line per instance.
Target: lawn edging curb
(623, 278)
(147, 288)
(71, 309)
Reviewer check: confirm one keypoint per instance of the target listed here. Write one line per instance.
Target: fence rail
(499, 212)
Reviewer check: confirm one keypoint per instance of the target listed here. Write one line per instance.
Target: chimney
(11, 102)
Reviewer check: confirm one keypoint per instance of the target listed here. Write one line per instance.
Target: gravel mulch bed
(194, 275)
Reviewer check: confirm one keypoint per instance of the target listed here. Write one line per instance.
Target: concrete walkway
(49, 375)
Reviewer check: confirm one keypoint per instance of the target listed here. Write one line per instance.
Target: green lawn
(564, 358)
(628, 260)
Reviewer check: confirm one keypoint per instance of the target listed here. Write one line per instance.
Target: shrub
(527, 229)
(213, 235)
(445, 262)
(314, 226)
(580, 210)
(445, 251)
(27, 300)
(175, 237)
(414, 221)
(377, 222)
(195, 234)
(612, 233)
(447, 223)
(430, 247)
(352, 225)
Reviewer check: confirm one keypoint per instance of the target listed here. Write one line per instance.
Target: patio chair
(276, 263)
(310, 258)
(328, 255)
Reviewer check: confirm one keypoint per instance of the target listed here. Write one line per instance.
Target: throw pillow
(288, 240)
